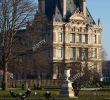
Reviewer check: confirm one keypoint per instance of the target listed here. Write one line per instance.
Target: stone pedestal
(67, 89)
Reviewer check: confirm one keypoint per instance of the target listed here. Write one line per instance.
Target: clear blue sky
(100, 9)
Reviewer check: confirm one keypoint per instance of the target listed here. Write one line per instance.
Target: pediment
(77, 16)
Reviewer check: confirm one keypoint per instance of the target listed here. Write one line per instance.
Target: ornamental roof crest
(78, 16)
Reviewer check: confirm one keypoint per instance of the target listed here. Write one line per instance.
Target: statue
(67, 89)
(67, 74)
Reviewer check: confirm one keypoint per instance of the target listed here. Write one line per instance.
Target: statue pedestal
(67, 89)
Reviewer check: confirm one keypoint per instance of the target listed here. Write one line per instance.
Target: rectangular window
(84, 38)
(72, 38)
(78, 54)
(77, 38)
(94, 38)
(60, 52)
(94, 52)
(60, 37)
(72, 53)
(84, 54)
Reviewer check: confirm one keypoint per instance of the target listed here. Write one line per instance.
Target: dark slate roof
(50, 7)
(90, 18)
(57, 16)
(54, 9)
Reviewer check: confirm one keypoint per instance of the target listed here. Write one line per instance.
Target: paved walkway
(90, 89)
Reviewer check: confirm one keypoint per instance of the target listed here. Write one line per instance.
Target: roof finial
(98, 21)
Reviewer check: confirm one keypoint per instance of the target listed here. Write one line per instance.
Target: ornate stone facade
(71, 34)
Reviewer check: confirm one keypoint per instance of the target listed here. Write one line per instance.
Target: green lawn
(95, 95)
(103, 94)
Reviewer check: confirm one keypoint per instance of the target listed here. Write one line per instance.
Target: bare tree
(104, 62)
(13, 16)
(84, 70)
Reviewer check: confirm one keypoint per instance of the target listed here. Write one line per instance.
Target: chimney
(64, 8)
(84, 7)
(41, 6)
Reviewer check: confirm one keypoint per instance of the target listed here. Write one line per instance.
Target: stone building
(71, 35)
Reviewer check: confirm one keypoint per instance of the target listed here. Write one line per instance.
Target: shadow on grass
(103, 94)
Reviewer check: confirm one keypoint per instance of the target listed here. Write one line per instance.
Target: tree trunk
(4, 81)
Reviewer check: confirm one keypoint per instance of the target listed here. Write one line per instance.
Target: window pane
(72, 38)
(60, 52)
(60, 37)
(83, 38)
(72, 53)
(94, 52)
(77, 38)
(86, 38)
(94, 38)
(84, 53)
(78, 53)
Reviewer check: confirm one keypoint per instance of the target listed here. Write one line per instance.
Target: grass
(103, 94)
(94, 95)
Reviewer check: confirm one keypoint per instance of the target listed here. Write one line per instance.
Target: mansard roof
(50, 7)
(89, 17)
(54, 9)
(57, 16)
